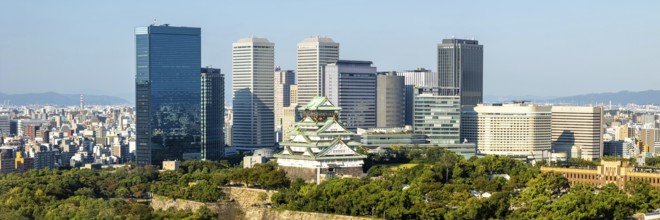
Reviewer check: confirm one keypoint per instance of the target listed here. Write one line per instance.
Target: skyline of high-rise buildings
(395, 125)
(372, 103)
(262, 102)
(260, 98)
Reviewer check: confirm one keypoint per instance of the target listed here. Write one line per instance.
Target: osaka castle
(319, 147)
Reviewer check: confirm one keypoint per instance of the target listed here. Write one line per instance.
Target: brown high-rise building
(390, 100)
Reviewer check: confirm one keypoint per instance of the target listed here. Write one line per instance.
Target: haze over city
(559, 49)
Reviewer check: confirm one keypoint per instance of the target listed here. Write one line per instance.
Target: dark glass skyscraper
(460, 65)
(213, 114)
(167, 88)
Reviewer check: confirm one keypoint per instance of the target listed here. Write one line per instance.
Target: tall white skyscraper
(313, 54)
(253, 62)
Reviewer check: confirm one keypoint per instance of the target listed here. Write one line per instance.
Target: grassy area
(396, 166)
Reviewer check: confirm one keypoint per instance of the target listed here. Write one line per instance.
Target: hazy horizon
(563, 49)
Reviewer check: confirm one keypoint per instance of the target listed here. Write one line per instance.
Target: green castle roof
(320, 103)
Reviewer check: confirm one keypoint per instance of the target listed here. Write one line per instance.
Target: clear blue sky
(553, 49)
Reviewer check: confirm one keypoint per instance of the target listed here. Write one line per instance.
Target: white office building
(253, 63)
(518, 130)
(313, 54)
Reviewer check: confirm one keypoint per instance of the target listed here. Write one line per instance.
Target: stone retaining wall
(274, 214)
(245, 203)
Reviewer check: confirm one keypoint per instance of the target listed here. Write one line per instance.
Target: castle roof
(319, 103)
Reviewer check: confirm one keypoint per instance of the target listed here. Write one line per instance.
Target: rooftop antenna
(154, 21)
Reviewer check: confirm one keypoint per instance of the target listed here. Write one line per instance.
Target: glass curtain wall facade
(167, 85)
(416, 78)
(460, 65)
(213, 114)
(437, 114)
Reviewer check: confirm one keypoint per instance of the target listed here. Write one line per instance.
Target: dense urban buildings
(460, 65)
(390, 100)
(578, 127)
(313, 54)
(419, 77)
(167, 87)
(213, 114)
(253, 63)
(351, 85)
(442, 108)
(649, 138)
(53, 136)
(625, 149)
(284, 79)
(320, 147)
(518, 130)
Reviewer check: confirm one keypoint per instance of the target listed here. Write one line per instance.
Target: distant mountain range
(617, 98)
(52, 98)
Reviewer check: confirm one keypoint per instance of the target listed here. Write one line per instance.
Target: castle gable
(339, 148)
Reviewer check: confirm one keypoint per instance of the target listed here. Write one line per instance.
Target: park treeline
(429, 183)
(123, 193)
(443, 185)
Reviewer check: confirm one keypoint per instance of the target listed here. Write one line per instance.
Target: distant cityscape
(317, 121)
